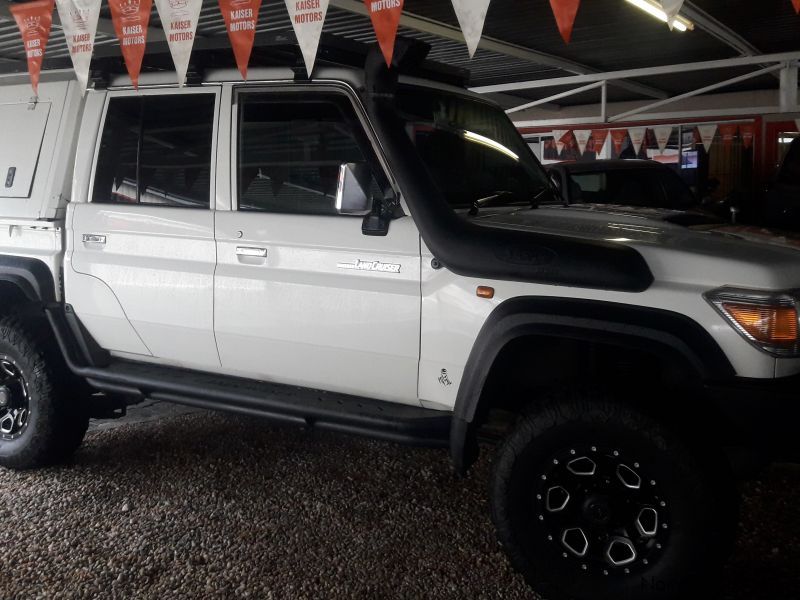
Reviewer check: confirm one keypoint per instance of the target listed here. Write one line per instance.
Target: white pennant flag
(79, 21)
(707, 133)
(671, 8)
(662, 136)
(558, 134)
(308, 17)
(179, 21)
(471, 15)
(637, 137)
(582, 137)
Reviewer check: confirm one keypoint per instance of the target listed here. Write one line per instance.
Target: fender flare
(665, 333)
(31, 275)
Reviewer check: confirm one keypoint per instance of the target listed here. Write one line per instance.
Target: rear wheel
(40, 423)
(594, 500)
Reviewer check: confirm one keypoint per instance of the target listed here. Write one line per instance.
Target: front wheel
(593, 500)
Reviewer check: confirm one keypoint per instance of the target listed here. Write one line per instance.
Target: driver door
(302, 296)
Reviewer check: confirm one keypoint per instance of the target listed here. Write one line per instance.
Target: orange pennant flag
(241, 17)
(796, 6)
(385, 16)
(131, 18)
(747, 130)
(565, 12)
(599, 137)
(34, 20)
(728, 132)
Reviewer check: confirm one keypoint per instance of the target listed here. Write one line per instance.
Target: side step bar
(299, 406)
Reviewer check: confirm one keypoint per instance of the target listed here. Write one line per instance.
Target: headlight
(768, 320)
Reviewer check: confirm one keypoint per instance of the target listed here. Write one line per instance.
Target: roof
(521, 41)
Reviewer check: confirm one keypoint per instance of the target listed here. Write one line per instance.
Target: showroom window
(156, 150)
(291, 150)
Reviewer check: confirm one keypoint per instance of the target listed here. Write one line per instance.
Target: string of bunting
(179, 19)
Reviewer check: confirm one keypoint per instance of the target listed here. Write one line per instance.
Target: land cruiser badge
(370, 265)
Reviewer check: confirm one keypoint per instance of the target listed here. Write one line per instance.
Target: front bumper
(763, 414)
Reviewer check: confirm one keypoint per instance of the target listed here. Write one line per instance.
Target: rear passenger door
(144, 242)
(302, 295)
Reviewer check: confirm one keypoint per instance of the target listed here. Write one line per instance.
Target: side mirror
(352, 191)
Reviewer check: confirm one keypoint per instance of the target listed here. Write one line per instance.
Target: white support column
(788, 94)
(604, 102)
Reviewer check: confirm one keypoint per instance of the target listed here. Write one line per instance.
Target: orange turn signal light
(767, 324)
(484, 291)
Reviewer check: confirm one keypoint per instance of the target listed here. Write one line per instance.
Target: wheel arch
(670, 336)
(30, 277)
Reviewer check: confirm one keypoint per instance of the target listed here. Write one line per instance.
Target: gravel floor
(207, 505)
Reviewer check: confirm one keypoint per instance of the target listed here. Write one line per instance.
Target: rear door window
(156, 150)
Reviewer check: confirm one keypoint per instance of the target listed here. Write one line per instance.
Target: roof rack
(270, 49)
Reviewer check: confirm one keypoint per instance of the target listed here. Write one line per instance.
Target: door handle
(93, 238)
(250, 251)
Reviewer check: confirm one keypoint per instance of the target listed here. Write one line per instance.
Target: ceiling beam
(448, 32)
(708, 65)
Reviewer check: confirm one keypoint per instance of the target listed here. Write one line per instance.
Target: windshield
(655, 187)
(472, 150)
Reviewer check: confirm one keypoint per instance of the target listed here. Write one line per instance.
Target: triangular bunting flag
(599, 136)
(746, 130)
(79, 22)
(565, 12)
(637, 137)
(558, 135)
(34, 20)
(707, 133)
(671, 8)
(471, 15)
(662, 136)
(728, 132)
(618, 138)
(307, 17)
(385, 17)
(241, 17)
(796, 6)
(582, 137)
(179, 20)
(131, 18)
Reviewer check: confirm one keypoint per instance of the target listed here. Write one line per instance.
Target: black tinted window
(156, 150)
(634, 187)
(290, 153)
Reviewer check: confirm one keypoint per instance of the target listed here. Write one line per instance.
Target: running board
(288, 404)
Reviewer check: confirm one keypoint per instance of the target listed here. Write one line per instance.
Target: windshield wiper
(476, 205)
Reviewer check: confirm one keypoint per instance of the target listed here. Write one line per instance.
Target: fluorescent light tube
(654, 9)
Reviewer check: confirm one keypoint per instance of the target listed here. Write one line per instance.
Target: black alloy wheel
(593, 500)
(14, 399)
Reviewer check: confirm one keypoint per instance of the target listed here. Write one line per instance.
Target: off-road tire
(57, 420)
(700, 500)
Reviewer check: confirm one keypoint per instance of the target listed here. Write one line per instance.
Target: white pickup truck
(362, 253)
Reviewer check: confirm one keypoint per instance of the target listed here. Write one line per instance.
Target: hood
(710, 256)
